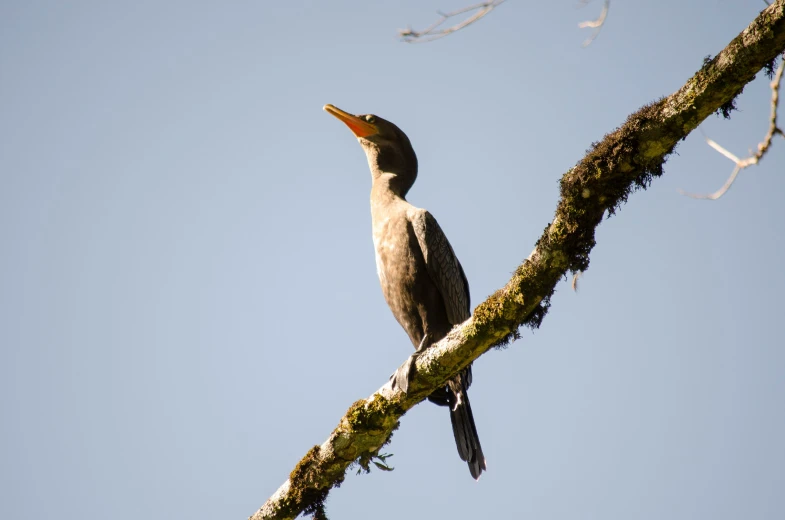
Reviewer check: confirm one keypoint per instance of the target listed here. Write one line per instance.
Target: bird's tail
(466, 438)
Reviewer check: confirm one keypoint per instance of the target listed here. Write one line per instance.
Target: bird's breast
(378, 232)
(395, 250)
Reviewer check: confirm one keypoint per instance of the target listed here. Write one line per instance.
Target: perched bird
(421, 278)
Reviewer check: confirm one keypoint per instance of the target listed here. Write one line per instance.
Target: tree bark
(626, 159)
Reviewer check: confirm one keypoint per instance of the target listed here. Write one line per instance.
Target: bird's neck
(386, 199)
(389, 186)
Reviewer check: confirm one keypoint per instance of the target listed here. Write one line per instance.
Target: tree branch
(625, 160)
(763, 146)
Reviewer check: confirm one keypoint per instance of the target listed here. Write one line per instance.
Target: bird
(421, 278)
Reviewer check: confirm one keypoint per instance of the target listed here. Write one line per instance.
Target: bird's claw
(400, 379)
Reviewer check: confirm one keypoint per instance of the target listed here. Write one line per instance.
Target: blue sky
(188, 295)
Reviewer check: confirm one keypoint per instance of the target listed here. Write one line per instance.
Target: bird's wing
(443, 266)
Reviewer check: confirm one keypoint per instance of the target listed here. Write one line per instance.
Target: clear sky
(188, 294)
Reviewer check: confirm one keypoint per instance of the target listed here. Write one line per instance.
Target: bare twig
(595, 24)
(763, 147)
(575, 279)
(434, 33)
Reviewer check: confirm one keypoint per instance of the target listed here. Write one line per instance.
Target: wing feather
(443, 267)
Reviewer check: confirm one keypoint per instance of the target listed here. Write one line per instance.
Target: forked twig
(431, 33)
(763, 146)
(594, 24)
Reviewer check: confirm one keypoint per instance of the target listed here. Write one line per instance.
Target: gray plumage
(420, 275)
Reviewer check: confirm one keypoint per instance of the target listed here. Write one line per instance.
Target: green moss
(365, 416)
(373, 416)
(770, 67)
(305, 488)
(311, 480)
(307, 462)
(728, 107)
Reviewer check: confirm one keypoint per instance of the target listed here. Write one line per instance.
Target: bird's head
(390, 154)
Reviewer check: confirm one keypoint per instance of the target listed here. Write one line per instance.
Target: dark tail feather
(466, 438)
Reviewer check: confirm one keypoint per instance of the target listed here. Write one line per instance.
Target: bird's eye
(370, 119)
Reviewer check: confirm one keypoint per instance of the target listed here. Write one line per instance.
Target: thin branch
(626, 159)
(575, 278)
(434, 33)
(595, 24)
(763, 146)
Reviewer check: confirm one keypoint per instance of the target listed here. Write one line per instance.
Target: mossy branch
(624, 161)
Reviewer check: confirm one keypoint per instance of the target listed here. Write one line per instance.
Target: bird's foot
(400, 379)
(402, 376)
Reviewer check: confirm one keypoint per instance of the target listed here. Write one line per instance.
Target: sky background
(188, 293)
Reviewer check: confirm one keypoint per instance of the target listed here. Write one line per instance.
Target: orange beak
(359, 127)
